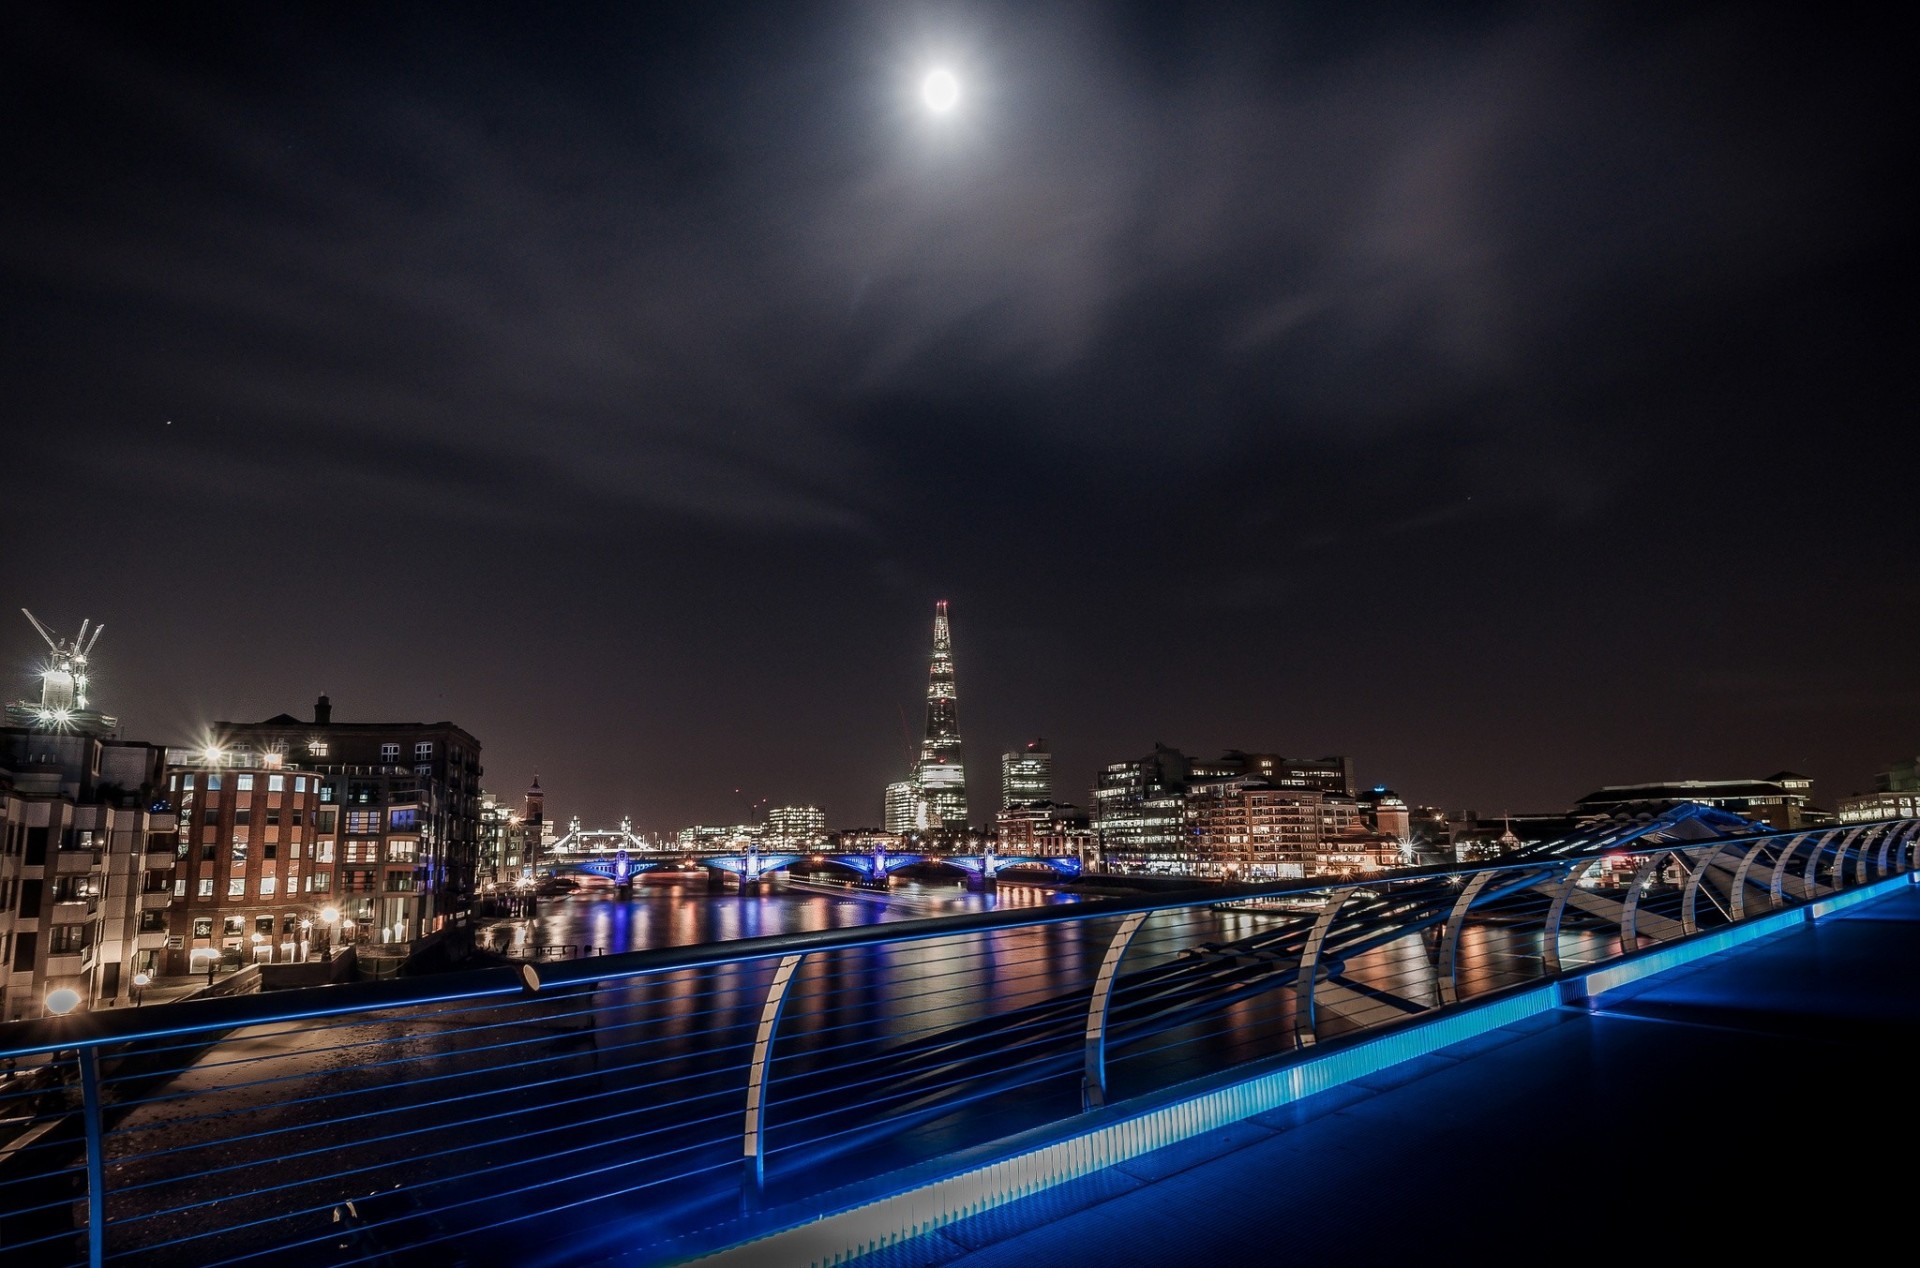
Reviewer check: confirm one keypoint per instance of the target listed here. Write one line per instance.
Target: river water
(677, 909)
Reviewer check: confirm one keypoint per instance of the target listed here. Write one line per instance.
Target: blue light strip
(925, 1205)
(1724, 939)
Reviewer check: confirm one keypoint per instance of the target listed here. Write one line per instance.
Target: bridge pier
(748, 888)
(981, 884)
(716, 881)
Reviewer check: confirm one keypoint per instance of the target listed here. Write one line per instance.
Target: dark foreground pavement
(1756, 1105)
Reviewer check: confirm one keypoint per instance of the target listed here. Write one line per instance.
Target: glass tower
(940, 773)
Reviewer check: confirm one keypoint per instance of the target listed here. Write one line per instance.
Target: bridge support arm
(1305, 1033)
(1093, 1086)
(753, 1137)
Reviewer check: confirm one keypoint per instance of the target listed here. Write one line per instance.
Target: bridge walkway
(1758, 1101)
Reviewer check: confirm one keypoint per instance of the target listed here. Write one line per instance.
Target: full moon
(941, 91)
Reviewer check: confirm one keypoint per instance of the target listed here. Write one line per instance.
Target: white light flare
(940, 90)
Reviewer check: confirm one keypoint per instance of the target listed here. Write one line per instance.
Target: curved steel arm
(753, 1137)
(1093, 1086)
(1304, 1034)
(1691, 899)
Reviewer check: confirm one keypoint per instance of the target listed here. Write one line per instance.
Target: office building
(1896, 795)
(258, 858)
(1026, 775)
(1783, 800)
(905, 812)
(408, 797)
(791, 828)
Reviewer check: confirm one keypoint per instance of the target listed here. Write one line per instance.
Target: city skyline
(1490, 396)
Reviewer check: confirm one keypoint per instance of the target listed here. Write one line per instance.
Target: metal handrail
(1005, 1003)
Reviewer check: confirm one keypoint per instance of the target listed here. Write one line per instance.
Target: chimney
(322, 711)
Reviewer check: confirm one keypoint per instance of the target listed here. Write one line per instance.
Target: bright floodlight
(941, 91)
(62, 1001)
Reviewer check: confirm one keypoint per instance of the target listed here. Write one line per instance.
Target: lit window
(389, 752)
(206, 887)
(237, 887)
(213, 782)
(244, 782)
(423, 750)
(180, 887)
(268, 885)
(299, 783)
(276, 783)
(316, 748)
(186, 782)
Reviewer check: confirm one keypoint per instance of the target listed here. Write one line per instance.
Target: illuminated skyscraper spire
(941, 775)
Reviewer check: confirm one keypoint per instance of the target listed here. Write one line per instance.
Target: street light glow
(63, 1001)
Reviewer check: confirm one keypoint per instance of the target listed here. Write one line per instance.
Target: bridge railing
(642, 1097)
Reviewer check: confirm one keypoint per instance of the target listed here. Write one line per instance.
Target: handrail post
(752, 1141)
(1093, 1085)
(89, 1061)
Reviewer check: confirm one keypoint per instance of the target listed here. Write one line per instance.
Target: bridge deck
(1756, 1101)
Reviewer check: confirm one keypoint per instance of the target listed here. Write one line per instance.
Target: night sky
(1514, 401)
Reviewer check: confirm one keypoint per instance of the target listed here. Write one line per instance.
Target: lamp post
(140, 981)
(330, 916)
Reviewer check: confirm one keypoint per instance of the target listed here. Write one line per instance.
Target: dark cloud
(1299, 379)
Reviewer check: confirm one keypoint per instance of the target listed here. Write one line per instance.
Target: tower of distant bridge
(941, 775)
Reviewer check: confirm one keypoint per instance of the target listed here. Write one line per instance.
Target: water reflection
(678, 910)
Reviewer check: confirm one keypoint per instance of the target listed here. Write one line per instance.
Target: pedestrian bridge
(817, 1096)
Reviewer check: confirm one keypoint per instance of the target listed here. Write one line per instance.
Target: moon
(940, 90)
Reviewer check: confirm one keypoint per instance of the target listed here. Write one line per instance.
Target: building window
(326, 794)
(423, 751)
(186, 782)
(242, 815)
(268, 885)
(180, 887)
(273, 816)
(244, 781)
(402, 819)
(363, 851)
(203, 926)
(400, 851)
(399, 882)
(67, 940)
(316, 748)
(320, 882)
(276, 783)
(389, 753)
(232, 926)
(213, 782)
(299, 783)
(323, 850)
(366, 822)
(323, 822)
(206, 887)
(236, 887)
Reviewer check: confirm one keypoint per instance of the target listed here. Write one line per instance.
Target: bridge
(620, 856)
(1443, 1054)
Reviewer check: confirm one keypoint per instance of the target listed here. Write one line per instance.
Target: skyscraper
(1026, 775)
(941, 775)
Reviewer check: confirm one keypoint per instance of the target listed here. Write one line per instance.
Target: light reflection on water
(678, 910)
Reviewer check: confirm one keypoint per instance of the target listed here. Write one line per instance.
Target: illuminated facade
(87, 842)
(905, 811)
(408, 801)
(256, 861)
(1896, 795)
(1046, 830)
(1026, 775)
(795, 828)
(941, 774)
(1140, 813)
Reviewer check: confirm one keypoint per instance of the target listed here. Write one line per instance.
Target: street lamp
(330, 916)
(140, 981)
(62, 1001)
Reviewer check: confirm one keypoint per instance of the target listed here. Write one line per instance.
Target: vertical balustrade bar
(89, 1060)
(753, 1145)
(1093, 1084)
